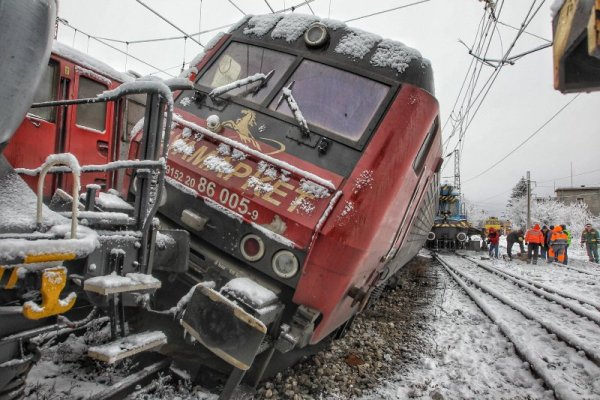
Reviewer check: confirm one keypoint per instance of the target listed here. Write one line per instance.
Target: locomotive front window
(338, 101)
(239, 61)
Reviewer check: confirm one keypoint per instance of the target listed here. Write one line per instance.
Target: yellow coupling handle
(53, 282)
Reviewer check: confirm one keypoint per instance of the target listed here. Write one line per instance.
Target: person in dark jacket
(493, 238)
(568, 233)
(547, 241)
(590, 238)
(512, 238)
(544, 247)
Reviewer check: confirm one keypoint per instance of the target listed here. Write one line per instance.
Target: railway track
(557, 333)
(582, 267)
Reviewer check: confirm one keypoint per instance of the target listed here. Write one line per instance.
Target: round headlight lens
(285, 264)
(252, 247)
(316, 35)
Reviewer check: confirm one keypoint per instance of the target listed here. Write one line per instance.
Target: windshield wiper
(286, 94)
(259, 77)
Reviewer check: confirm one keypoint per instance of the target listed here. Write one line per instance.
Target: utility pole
(528, 201)
(571, 173)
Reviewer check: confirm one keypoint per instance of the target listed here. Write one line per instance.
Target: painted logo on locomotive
(242, 126)
(262, 179)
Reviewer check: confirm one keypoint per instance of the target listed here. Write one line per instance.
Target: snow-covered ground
(426, 339)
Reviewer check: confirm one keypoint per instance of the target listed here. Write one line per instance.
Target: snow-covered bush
(553, 212)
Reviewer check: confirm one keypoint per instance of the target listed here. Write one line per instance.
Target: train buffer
(127, 346)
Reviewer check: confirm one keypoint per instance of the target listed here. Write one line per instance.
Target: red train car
(86, 131)
(305, 166)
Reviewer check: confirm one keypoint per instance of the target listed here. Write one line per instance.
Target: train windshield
(338, 101)
(241, 60)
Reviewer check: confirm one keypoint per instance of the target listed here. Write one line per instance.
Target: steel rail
(522, 348)
(572, 340)
(575, 269)
(535, 286)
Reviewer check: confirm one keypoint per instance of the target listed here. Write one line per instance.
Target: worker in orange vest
(534, 239)
(558, 245)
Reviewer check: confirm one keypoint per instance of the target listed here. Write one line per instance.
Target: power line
(309, 7)
(270, 8)
(235, 5)
(526, 21)
(524, 141)
(66, 23)
(527, 33)
(169, 22)
(385, 11)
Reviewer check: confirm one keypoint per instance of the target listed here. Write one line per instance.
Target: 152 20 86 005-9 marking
(211, 190)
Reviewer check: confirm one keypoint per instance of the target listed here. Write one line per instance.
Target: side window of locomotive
(91, 116)
(239, 61)
(425, 146)
(327, 98)
(47, 91)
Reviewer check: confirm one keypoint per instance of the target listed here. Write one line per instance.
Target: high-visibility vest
(558, 238)
(534, 236)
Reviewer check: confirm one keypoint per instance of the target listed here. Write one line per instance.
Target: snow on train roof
(87, 61)
(355, 43)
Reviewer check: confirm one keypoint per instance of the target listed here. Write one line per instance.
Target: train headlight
(252, 247)
(285, 264)
(316, 35)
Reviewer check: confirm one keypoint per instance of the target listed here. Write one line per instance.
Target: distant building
(583, 194)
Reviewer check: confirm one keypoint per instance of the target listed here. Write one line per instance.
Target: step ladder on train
(113, 286)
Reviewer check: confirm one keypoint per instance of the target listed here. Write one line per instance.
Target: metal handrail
(70, 161)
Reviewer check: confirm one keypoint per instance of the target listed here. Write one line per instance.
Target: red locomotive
(304, 164)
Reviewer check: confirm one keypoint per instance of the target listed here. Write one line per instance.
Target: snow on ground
(425, 339)
(465, 356)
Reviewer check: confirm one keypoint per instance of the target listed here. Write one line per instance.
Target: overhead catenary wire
(236, 6)
(532, 12)
(66, 23)
(268, 5)
(309, 7)
(169, 22)
(385, 11)
(526, 140)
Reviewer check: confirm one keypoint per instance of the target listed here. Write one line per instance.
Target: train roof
(347, 45)
(87, 61)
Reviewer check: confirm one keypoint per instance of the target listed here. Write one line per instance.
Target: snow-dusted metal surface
(52, 160)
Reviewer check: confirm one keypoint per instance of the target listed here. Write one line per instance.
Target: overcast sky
(521, 100)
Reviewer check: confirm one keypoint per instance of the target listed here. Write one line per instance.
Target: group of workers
(553, 243)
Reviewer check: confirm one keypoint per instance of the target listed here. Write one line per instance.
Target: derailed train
(303, 163)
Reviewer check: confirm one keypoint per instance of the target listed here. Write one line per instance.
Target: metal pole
(571, 173)
(528, 200)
